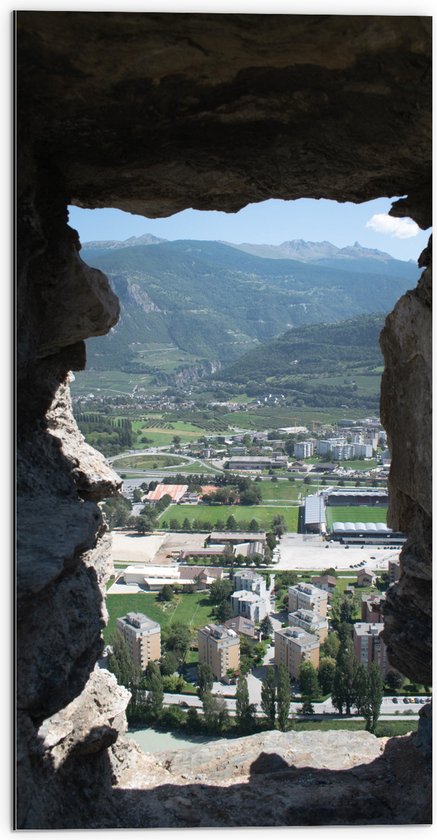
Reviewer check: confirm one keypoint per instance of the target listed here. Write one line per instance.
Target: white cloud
(401, 228)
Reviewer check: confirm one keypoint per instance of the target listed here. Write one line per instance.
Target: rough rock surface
(406, 341)
(305, 778)
(154, 113)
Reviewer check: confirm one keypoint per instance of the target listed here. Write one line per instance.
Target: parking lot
(305, 551)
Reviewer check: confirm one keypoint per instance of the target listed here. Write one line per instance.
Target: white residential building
(251, 581)
(304, 449)
(250, 605)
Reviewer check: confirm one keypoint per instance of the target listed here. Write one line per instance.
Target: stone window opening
(152, 114)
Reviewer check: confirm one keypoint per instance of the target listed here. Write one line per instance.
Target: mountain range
(215, 301)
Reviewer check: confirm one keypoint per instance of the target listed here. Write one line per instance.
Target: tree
(266, 626)
(169, 664)
(244, 710)
(126, 672)
(215, 712)
(326, 674)
(283, 697)
(192, 720)
(176, 440)
(308, 682)
(117, 511)
(361, 690)
(374, 696)
(178, 639)
(204, 679)
(223, 612)
(167, 593)
(220, 591)
(186, 525)
(268, 697)
(250, 497)
(231, 523)
(279, 525)
(343, 691)
(253, 525)
(394, 680)
(137, 495)
(155, 694)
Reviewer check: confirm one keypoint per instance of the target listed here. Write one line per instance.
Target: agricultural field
(242, 513)
(274, 418)
(193, 609)
(161, 432)
(109, 383)
(355, 513)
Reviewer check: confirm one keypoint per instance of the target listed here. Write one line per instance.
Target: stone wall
(154, 113)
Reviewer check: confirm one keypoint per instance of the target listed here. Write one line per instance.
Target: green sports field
(193, 609)
(355, 513)
(242, 513)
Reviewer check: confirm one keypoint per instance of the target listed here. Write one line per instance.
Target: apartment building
(325, 582)
(293, 645)
(305, 596)
(310, 621)
(250, 605)
(304, 449)
(372, 608)
(143, 637)
(219, 646)
(394, 570)
(369, 646)
(252, 581)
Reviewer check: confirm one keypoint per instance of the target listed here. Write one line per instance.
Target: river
(152, 740)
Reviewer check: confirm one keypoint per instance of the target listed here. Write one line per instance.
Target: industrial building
(314, 515)
(366, 533)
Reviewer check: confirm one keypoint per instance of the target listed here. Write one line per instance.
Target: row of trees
(349, 682)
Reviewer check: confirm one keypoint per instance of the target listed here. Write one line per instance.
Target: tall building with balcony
(310, 621)
(219, 647)
(293, 645)
(369, 646)
(250, 605)
(143, 637)
(252, 581)
(306, 596)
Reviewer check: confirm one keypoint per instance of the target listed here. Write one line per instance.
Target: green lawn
(147, 462)
(242, 513)
(195, 467)
(355, 513)
(384, 729)
(193, 609)
(280, 490)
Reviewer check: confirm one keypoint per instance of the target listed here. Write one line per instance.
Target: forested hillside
(211, 301)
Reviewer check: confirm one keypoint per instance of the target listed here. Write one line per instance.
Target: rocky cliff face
(154, 113)
(274, 779)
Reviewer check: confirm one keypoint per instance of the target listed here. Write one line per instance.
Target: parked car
(394, 700)
(406, 700)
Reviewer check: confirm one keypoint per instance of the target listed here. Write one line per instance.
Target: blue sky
(270, 222)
